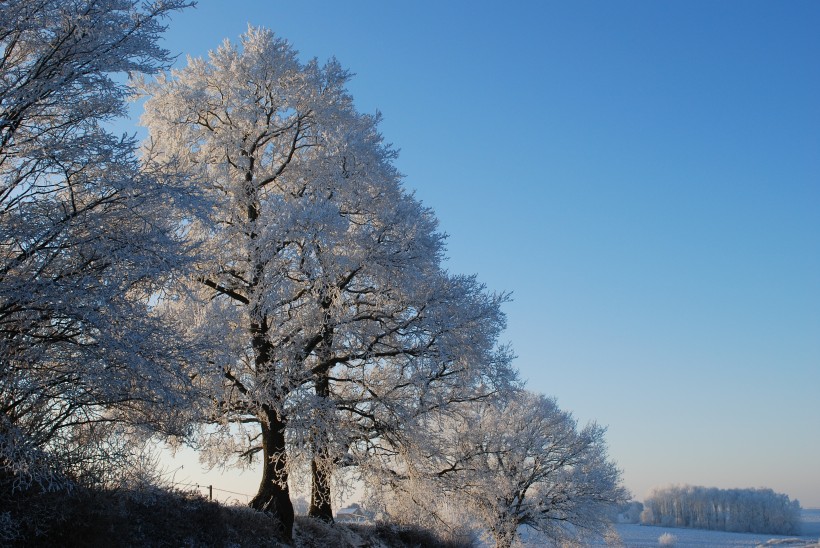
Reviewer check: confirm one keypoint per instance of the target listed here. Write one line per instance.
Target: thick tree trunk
(274, 495)
(320, 501)
(320, 506)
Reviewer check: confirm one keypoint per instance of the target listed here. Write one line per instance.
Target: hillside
(157, 518)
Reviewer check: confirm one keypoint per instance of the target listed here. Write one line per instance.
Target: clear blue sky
(643, 176)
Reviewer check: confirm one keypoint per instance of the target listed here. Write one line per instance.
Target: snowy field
(642, 536)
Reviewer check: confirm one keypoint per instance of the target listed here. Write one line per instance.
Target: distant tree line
(628, 512)
(736, 510)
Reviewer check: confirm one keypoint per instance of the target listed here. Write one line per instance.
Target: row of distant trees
(253, 280)
(736, 510)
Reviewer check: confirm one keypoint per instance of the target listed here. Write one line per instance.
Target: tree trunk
(504, 533)
(320, 506)
(320, 502)
(503, 540)
(274, 495)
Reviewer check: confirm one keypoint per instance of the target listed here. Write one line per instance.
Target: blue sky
(643, 176)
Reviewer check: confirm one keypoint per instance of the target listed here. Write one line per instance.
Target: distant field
(641, 536)
(811, 522)
(638, 536)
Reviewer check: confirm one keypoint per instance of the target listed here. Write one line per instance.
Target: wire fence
(211, 489)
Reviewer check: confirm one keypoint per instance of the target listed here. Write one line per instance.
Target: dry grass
(146, 519)
(161, 518)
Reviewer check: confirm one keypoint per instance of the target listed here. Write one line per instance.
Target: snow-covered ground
(639, 536)
(642, 536)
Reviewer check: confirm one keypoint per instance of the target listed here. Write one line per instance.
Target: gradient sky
(643, 176)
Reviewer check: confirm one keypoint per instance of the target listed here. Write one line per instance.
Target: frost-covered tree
(87, 234)
(515, 461)
(738, 510)
(324, 284)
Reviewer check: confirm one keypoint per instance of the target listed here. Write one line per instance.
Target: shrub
(667, 539)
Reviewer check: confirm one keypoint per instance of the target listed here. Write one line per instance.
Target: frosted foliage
(667, 539)
(87, 235)
(738, 510)
(323, 288)
(518, 461)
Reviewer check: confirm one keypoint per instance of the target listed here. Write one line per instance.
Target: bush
(667, 539)
(314, 533)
